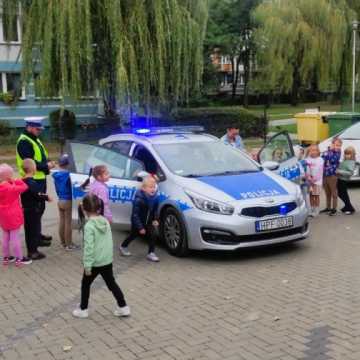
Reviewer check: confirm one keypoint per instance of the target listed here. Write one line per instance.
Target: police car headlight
(208, 205)
(299, 197)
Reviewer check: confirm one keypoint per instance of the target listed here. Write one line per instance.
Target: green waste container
(341, 120)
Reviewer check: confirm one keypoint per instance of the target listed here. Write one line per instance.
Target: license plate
(275, 223)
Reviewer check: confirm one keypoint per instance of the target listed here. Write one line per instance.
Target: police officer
(30, 146)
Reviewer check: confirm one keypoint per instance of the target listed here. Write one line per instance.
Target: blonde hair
(29, 166)
(148, 180)
(6, 171)
(350, 150)
(98, 170)
(313, 146)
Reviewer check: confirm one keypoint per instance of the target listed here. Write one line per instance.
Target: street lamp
(355, 26)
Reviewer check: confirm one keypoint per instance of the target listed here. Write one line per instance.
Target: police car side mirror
(141, 175)
(270, 165)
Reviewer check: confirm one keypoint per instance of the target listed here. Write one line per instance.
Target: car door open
(123, 181)
(279, 149)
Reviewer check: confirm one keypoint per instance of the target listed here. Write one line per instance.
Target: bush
(68, 125)
(4, 128)
(217, 119)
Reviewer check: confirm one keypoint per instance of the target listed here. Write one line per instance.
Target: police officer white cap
(34, 121)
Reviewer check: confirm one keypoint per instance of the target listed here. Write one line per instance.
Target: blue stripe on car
(245, 186)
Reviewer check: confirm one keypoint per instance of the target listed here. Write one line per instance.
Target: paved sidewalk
(291, 302)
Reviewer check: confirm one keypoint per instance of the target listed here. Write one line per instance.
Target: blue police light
(283, 210)
(142, 131)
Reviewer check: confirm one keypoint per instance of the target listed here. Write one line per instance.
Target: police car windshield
(195, 159)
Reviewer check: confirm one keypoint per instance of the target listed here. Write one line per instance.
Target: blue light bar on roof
(169, 130)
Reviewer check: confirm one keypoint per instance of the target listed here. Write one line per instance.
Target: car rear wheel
(173, 233)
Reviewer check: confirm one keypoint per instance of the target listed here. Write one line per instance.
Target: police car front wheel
(174, 233)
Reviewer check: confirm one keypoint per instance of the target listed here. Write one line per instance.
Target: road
(292, 302)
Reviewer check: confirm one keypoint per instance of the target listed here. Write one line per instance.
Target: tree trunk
(295, 87)
(246, 77)
(234, 78)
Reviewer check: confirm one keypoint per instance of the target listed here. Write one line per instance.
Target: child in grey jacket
(344, 172)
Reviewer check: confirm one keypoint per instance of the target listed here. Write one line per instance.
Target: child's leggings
(11, 237)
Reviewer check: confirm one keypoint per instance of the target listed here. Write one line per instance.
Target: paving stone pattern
(293, 302)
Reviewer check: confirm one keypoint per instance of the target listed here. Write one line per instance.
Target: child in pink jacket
(99, 188)
(11, 215)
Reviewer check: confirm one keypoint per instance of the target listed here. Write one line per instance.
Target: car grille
(261, 211)
(225, 238)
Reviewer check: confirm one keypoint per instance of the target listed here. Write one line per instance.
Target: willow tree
(302, 43)
(145, 53)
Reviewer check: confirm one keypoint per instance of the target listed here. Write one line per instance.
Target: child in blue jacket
(63, 189)
(143, 217)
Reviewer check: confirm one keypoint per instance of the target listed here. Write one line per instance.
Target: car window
(278, 149)
(204, 158)
(142, 154)
(86, 156)
(123, 147)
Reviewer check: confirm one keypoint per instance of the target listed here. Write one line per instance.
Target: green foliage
(7, 98)
(230, 30)
(4, 128)
(63, 126)
(217, 119)
(144, 52)
(302, 43)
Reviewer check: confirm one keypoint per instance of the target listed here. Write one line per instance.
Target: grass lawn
(285, 111)
(291, 128)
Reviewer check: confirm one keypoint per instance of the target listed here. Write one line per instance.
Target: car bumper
(221, 232)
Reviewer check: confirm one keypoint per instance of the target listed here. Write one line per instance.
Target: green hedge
(217, 119)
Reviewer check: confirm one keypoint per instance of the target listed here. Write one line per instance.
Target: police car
(212, 196)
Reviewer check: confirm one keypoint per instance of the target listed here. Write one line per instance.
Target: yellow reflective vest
(37, 145)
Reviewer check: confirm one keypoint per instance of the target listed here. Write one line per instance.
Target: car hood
(249, 187)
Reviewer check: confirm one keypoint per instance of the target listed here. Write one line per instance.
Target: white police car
(212, 195)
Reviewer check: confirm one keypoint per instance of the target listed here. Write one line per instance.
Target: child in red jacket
(11, 215)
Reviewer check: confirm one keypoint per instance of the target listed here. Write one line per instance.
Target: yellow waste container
(312, 127)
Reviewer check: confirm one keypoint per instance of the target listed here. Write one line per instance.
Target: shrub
(68, 124)
(217, 119)
(7, 98)
(4, 128)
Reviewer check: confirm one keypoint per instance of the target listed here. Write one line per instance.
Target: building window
(10, 29)
(11, 83)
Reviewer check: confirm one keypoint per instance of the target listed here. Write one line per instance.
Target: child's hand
(155, 223)
(50, 199)
(87, 272)
(142, 232)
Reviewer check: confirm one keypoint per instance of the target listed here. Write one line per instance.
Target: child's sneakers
(81, 314)
(122, 311)
(6, 261)
(152, 257)
(124, 251)
(23, 261)
(71, 247)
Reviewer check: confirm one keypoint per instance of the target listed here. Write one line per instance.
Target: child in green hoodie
(344, 172)
(98, 256)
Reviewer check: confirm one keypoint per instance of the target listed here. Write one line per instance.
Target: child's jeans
(65, 229)
(11, 238)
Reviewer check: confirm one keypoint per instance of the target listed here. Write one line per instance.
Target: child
(304, 183)
(314, 174)
(11, 215)
(32, 201)
(63, 189)
(331, 163)
(99, 188)
(98, 256)
(143, 217)
(344, 172)
(277, 155)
